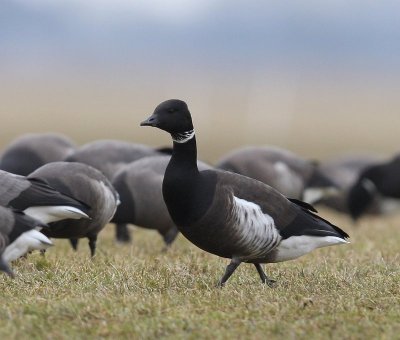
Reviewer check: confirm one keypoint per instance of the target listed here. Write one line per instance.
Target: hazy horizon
(318, 78)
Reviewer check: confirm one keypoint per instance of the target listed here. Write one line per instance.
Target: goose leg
(92, 244)
(170, 237)
(264, 278)
(230, 268)
(122, 233)
(74, 243)
(4, 267)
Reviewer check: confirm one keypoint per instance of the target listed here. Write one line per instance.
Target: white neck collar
(182, 137)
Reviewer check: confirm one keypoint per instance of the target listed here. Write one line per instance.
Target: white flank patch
(48, 214)
(29, 241)
(296, 246)
(282, 169)
(255, 231)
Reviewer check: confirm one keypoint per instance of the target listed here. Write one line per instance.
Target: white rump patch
(313, 195)
(48, 214)
(28, 241)
(389, 205)
(111, 202)
(255, 231)
(296, 246)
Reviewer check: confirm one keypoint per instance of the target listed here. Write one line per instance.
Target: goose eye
(171, 110)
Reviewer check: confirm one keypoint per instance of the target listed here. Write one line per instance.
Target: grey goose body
(37, 199)
(109, 156)
(231, 215)
(18, 236)
(281, 169)
(30, 151)
(88, 185)
(139, 185)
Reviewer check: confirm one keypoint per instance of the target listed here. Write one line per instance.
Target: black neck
(185, 154)
(181, 182)
(187, 193)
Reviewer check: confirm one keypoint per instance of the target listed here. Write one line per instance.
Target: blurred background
(320, 78)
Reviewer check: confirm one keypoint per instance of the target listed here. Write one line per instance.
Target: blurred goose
(379, 180)
(108, 156)
(18, 236)
(139, 185)
(283, 170)
(30, 151)
(344, 171)
(231, 215)
(37, 199)
(88, 185)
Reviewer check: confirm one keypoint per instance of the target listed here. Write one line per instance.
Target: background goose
(139, 185)
(30, 151)
(230, 215)
(37, 199)
(344, 172)
(380, 180)
(108, 156)
(283, 170)
(18, 236)
(88, 185)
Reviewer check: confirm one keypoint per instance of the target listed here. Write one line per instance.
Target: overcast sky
(207, 33)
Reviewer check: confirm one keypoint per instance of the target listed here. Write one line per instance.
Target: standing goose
(139, 185)
(88, 185)
(38, 200)
(18, 236)
(230, 215)
(30, 151)
(108, 156)
(281, 169)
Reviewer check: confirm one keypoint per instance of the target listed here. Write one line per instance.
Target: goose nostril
(151, 121)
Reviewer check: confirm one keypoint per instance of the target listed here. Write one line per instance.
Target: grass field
(344, 292)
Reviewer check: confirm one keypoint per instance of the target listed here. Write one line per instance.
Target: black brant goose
(139, 185)
(89, 186)
(108, 155)
(231, 215)
(379, 180)
(344, 171)
(18, 236)
(290, 174)
(37, 199)
(30, 151)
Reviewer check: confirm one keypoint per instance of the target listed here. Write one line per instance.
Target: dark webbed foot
(230, 268)
(264, 278)
(122, 233)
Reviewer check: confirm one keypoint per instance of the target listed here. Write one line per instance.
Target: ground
(139, 292)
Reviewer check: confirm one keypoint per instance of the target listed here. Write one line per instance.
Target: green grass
(345, 292)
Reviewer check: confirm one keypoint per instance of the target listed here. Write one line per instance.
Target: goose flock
(253, 206)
